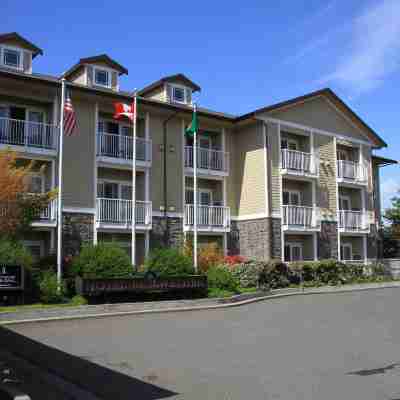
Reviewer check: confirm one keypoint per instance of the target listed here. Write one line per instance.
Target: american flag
(69, 117)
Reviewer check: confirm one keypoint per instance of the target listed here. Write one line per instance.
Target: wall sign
(11, 277)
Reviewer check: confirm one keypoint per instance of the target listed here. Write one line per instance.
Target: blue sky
(244, 55)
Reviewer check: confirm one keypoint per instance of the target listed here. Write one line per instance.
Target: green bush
(220, 277)
(169, 262)
(105, 260)
(49, 291)
(247, 273)
(274, 275)
(78, 300)
(15, 253)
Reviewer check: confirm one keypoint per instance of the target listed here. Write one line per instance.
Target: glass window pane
(283, 144)
(179, 94)
(189, 198)
(287, 253)
(11, 58)
(101, 77)
(285, 198)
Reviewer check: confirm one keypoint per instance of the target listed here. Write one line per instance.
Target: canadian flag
(124, 110)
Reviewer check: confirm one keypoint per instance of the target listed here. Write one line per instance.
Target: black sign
(11, 277)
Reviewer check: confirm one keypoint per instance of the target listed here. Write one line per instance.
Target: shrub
(209, 256)
(48, 286)
(233, 260)
(105, 260)
(220, 277)
(169, 262)
(15, 253)
(247, 273)
(274, 274)
(78, 300)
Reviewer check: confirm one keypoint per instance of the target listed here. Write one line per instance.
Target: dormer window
(102, 77)
(178, 94)
(12, 58)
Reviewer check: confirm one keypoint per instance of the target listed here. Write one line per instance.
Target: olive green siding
(250, 170)
(78, 166)
(231, 181)
(307, 243)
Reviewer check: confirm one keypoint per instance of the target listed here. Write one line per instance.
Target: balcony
(295, 162)
(118, 149)
(209, 162)
(352, 172)
(28, 137)
(209, 218)
(48, 216)
(300, 218)
(117, 213)
(353, 221)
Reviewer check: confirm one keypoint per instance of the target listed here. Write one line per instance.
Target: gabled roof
(170, 78)
(339, 103)
(103, 58)
(383, 161)
(5, 37)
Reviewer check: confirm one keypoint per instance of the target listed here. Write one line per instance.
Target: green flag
(194, 126)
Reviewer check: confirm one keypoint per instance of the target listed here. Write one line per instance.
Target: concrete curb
(227, 303)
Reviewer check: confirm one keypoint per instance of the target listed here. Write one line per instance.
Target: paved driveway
(336, 346)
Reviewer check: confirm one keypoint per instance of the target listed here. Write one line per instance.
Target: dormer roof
(170, 79)
(16, 38)
(100, 59)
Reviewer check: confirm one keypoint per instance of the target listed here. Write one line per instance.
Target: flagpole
(133, 249)
(60, 170)
(195, 193)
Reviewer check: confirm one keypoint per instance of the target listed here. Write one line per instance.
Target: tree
(18, 207)
(392, 214)
(391, 233)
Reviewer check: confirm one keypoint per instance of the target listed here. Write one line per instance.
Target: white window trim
(289, 192)
(35, 243)
(345, 197)
(21, 55)
(291, 245)
(350, 246)
(176, 86)
(108, 70)
(201, 190)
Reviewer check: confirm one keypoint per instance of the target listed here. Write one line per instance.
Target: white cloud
(389, 189)
(375, 49)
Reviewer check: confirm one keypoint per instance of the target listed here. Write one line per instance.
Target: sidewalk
(104, 310)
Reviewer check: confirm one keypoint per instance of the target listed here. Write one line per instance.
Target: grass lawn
(36, 306)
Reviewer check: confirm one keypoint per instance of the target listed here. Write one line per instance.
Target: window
(204, 197)
(102, 77)
(289, 144)
(344, 203)
(342, 155)
(293, 252)
(12, 58)
(178, 94)
(291, 198)
(346, 251)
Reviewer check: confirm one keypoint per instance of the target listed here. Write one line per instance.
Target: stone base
(328, 240)
(166, 232)
(77, 230)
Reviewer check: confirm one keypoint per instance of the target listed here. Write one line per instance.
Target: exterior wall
(377, 194)
(276, 238)
(79, 76)
(166, 232)
(214, 186)
(357, 244)
(355, 197)
(78, 171)
(157, 94)
(274, 147)
(231, 181)
(251, 239)
(328, 240)
(249, 171)
(307, 243)
(302, 141)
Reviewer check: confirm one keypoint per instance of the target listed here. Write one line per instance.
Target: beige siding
(275, 174)
(78, 160)
(78, 76)
(157, 94)
(326, 185)
(319, 113)
(250, 170)
(231, 182)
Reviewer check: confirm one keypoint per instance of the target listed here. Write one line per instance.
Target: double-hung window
(12, 58)
(102, 77)
(293, 252)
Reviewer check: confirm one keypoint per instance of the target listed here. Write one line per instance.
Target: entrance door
(35, 133)
(16, 132)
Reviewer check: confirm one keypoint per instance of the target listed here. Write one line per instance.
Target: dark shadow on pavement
(100, 381)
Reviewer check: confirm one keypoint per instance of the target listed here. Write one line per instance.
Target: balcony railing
(300, 217)
(214, 160)
(352, 171)
(299, 162)
(208, 216)
(28, 134)
(353, 220)
(119, 211)
(121, 147)
(49, 213)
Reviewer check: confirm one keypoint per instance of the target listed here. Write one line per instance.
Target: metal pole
(133, 252)
(195, 194)
(59, 210)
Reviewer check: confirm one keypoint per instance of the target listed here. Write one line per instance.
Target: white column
(146, 243)
(96, 124)
(337, 199)
(365, 249)
(133, 222)
(312, 151)
(266, 194)
(315, 240)
(225, 243)
(281, 195)
(195, 196)
(183, 179)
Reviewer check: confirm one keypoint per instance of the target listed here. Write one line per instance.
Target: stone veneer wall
(373, 243)
(328, 240)
(250, 239)
(276, 238)
(175, 236)
(77, 230)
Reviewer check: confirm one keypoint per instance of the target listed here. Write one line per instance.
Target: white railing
(300, 216)
(50, 212)
(353, 220)
(351, 170)
(121, 146)
(29, 134)
(298, 161)
(208, 216)
(214, 160)
(119, 211)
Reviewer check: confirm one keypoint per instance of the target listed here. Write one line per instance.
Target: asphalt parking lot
(333, 346)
